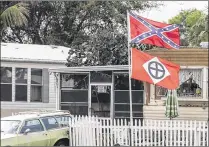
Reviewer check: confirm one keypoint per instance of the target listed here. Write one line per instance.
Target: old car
(37, 128)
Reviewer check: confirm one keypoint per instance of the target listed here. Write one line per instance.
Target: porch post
(205, 84)
(112, 99)
(57, 90)
(89, 96)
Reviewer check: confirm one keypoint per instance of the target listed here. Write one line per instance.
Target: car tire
(62, 143)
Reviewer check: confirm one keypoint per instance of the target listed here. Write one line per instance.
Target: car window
(63, 120)
(50, 123)
(10, 126)
(34, 126)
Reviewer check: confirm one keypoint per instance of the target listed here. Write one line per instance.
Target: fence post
(196, 135)
(129, 134)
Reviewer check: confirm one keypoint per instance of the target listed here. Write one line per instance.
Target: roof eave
(33, 61)
(90, 68)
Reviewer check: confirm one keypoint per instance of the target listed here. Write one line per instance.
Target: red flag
(146, 31)
(154, 70)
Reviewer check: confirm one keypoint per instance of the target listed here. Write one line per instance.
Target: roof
(34, 114)
(183, 56)
(34, 53)
(19, 117)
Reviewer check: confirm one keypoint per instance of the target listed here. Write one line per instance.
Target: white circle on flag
(156, 70)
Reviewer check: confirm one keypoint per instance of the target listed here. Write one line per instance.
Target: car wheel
(62, 143)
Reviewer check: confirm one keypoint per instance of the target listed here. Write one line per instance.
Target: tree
(12, 14)
(192, 23)
(96, 31)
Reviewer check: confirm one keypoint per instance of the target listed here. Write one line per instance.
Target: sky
(172, 8)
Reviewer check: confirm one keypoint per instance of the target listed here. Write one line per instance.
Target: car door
(53, 129)
(32, 133)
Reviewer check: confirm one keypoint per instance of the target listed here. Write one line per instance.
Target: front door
(101, 102)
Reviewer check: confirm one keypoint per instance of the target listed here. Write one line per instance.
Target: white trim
(99, 83)
(29, 85)
(84, 103)
(112, 98)
(204, 83)
(13, 83)
(75, 72)
(192, 67)
(120, 72)
(89, 95)
(187, 99)
(204, 97)
(5, 59)
(115, 68)
(128, 90)
(70, 89)
(59, 92)
(152, 93)
(42, 79)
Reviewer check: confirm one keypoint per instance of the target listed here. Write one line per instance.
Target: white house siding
(8, 107)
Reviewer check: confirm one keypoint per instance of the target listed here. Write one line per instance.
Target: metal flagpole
(129, 63)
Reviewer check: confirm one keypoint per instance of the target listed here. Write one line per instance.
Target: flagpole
(129, 65)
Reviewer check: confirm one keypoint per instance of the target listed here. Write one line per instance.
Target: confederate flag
(146, 31)
(154, 70)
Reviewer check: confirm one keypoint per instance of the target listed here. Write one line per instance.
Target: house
(26, 83)
(104, 90)
(193, 88)
(35, 77)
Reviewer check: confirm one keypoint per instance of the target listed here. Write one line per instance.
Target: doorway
(100, 100)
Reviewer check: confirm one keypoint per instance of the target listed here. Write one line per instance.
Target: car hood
(5, 136)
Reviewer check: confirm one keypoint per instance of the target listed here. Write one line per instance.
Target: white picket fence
(93, 131)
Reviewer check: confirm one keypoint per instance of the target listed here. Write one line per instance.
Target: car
(37, 128)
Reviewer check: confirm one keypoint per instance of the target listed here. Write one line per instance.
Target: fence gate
(93, 131)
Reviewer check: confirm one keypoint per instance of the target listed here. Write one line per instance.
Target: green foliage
(199, 31)
(195, 25)
(95, 30)
(15, 15)
(189, 16)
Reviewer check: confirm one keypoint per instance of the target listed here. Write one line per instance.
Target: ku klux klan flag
(146, 31)
(154, 70)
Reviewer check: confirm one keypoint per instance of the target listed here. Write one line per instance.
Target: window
(121, 95)
(34, 126)
(122, 82)
(50, 123)
(101, 76)
(36, 85)
(76, 108)
(74, 93)
(10, 126)
(6, 84)
(190, 84)
(75, 81)
(21, 77)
